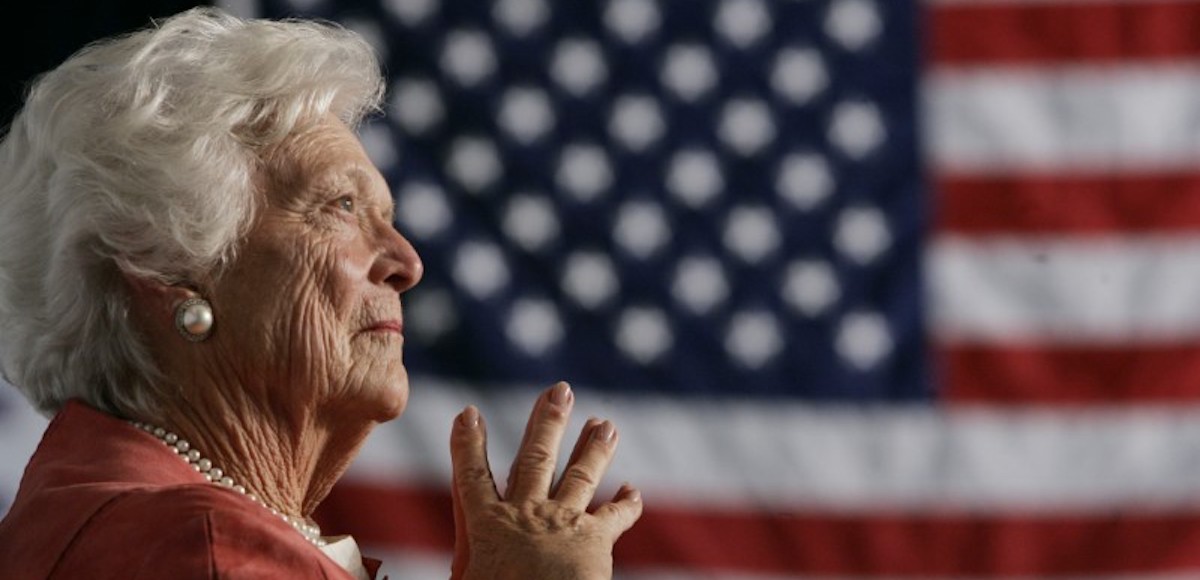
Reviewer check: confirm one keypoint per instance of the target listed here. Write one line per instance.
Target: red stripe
(922, 544)
(1162, 202)
(1098, 32)
(1021, 375)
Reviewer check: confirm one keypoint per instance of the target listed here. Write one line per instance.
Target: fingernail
(560, 394)
(635, 496)
(604, 433)
(469, 417)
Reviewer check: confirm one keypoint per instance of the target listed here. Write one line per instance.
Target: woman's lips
(386, 326)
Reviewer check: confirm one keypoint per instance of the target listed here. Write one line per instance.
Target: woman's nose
(397, 264)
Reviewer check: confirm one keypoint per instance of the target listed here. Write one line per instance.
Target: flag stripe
(1060, 291)
(1066, 204)
(834, 458)
(1067, 120)
(1043, 33)
(881, 542)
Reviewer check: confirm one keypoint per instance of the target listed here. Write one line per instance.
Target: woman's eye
(346, 203)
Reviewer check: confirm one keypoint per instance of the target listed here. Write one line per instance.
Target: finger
(581, 477)
(533, 467)
(462, 552)
(622, 512)
(581, 443)
(468, 457)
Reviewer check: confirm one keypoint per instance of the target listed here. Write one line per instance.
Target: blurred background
(870, 288)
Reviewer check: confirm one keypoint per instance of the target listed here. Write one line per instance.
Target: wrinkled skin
(306, 357)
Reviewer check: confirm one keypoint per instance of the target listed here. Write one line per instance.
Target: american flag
(871, 289)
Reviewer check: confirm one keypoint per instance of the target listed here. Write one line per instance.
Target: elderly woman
(200, 280)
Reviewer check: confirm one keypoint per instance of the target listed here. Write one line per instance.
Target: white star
(423, 210)
(584, 171)
(854, 24)
(534, 326)
(632, 20)
(799, 74)
(689, 72)
(416, 105)
(430, 313)
(862, 234)
(804, 179)
(578, 66)
(863, 340)
(468, 57)
(694, 177)
(474, 163)
(525, 114)
(754, 338)
(480, 269)
(530, 221)
(857, 128)
(700, 284)
(746, 126)
(810, 287)
(742, 23)
(377, 141)
(644, 334)
(751, 233)
(641, 228)
(520, 17)
(590, 279)
(636, 121)
(411, 12)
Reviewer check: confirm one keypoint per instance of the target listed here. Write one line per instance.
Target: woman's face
(310, 310)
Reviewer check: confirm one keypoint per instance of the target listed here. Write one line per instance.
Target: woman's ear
(154, 302)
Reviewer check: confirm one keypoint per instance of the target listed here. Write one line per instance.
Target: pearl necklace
(311, 532)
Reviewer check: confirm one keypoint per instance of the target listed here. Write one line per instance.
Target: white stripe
(728, 453)
(1085, 120)
(1117, 290)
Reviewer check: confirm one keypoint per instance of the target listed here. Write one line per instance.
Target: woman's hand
(540, 528)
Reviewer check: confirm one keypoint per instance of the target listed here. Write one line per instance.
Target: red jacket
(103, 499)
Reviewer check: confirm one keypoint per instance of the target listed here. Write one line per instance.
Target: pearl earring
(194, 319)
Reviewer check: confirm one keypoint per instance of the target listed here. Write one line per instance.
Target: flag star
(530, 221)
(430, 313)
(578, 66)
(534, 326)
(474, 163)
(589, 278)
(746, 126)
(416, 105)
(751, 233)
(636, 121)
(863, 340)
(525, 114)
(369, 30)
(468, 57)
(804, 179)
(520, 17)
(856, 128)
(304, 5)
(480, 269)
(423, 210)
(700, 284)
(584, 171)
(799, 74)
(810, 287)
(688, 70)
(411, 12)
(694, 177)
(862, 234)
(753, 338)
(632, 20)
(643, 334)
(641, 228)
(378, 143)
(853, 24)
(743, 23)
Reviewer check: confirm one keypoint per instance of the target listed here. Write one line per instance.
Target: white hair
(138, 155)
